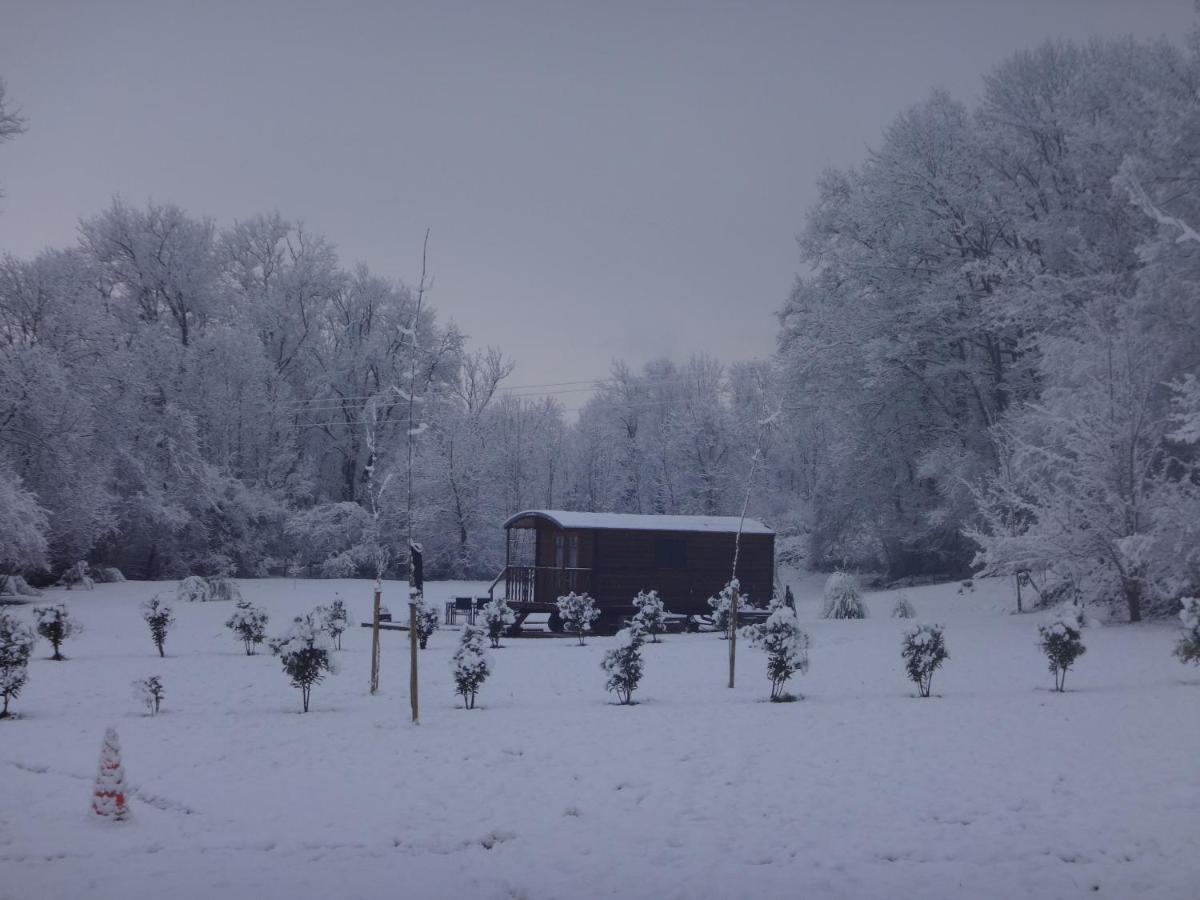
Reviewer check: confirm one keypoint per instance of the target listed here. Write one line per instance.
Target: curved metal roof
(634, 522)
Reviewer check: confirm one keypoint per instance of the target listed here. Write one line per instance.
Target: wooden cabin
(612, 556)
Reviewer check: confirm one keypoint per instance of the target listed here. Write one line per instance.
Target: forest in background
(988, 364)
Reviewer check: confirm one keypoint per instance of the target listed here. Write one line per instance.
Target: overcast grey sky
(602, 180)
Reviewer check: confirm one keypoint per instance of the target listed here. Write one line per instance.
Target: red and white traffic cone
(108, 799)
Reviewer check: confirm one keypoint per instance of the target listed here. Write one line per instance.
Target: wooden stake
(412, 667)
(375, 641)
(733, 610)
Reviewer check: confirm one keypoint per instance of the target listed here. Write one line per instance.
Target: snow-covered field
(994, 787)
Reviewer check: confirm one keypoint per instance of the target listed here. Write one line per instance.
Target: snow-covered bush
(578, 612)
(77, 574)
(924, 652)
(1062, 645)
(222, 587)
(249, 623)
(497, 618)
(18, 586)
(108, 575)
(306, 652)
(55, 624)
(334, 620)
(428, 620)
(903, 609)
(651, 616)
(192, 589)
(158, 615)
(1188, 648)
(470, 664)
(720, 606)
(16, 646)
(623, 663)
(149, 692)
(842, 599)
(784, 642)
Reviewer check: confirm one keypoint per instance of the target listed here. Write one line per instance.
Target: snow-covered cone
(108, 800)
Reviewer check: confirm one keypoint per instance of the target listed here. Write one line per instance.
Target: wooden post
(412, 666)
(375, 641)
(733, 609)
(1018, 578)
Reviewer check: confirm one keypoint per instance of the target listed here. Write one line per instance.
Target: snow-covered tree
(903, 608)
(428, 620)
(578, 612)
(1188, 648)
(651, 615)
(721, 606)
(1062, 644)
(623, 664)
(23, 542)
(55, 624)
(150, 693)
(222, 587)
(159, 615)
(192, 589)
(842, 599)
(16, 646)
(249, 623)
(497, 618)
(785, 644)
(470, 664)
(108, 796)
(334, 619)
(924, 652)
(306, 652)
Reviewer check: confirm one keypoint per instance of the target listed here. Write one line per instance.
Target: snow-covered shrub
(924, 652)
(1062, 645)
(497, 618)
(16, 646)
(903, 608)
(842, 599)
(191, 589)
(108, 796)
(784, 642)
(249, 623)
(470, 664)
(149, 692)
(158, 615)
(651, 616)
(18, 586)
(341, 565)
(428, 620)
(720, 606)
(55, 624)
(1188, 648)
(77, 574)
(306, 652)
(222, 587)
(623, 663)
(578, 612)
(108, 575)
(334, 620)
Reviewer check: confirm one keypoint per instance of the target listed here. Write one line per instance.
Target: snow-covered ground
(994, 787)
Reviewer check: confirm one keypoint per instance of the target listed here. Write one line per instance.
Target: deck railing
(544, 584)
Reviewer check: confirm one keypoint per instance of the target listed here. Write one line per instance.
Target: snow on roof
(633, 522)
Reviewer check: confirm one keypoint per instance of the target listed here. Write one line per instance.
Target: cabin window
(670, 553)
(566, 550)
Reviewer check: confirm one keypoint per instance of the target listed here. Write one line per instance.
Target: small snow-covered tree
(108, 796)
(497, 617)
(623, 663)
(149, 691)
(1188, 648)
(428, 620)
(1062, 644)
(222, 587)
(924, 652)
(903, 609)
(249, 623)
(16, 646)
(77, 574)
(578, 612)
(842, 599)
(720, 606)
(784, 642)
(651, 616)
(158, 615)
(334, 620)
(470, 664)
(306, 652)
(55, 624)
(192, 589)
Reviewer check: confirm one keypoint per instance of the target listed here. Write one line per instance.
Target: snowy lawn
(993, 787)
